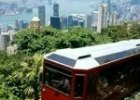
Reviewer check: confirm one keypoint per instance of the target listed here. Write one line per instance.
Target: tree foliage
(123, 32)
(50, 39)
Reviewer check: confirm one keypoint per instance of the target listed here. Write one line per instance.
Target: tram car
(102, 72)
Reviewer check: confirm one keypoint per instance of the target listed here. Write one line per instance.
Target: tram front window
(57, 78)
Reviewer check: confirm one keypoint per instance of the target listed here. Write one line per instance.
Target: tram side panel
(115, 82)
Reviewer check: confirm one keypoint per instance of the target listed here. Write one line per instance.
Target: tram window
(57, 79)
(91, 87)
(79, 86)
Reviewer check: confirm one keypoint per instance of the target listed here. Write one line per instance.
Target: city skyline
(64, 10)
(125, 14)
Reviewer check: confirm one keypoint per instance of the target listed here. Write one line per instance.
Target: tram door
(79, 87)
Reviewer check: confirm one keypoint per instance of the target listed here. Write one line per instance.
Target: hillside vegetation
(19, 73)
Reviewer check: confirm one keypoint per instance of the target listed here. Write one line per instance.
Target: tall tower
(41, 14)
(55, 19)
(102, 17)
(56, 9)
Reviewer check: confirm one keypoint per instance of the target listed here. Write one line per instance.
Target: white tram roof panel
(93, 56)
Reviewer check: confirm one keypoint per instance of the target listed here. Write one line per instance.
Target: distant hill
(135, 2)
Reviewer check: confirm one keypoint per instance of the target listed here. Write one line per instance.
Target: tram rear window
(57, 78)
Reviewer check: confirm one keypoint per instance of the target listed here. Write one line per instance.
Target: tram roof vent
(84, 56)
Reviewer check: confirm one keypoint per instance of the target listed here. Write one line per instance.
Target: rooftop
(93, 56)
(35, 19)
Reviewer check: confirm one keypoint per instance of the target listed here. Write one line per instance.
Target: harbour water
(66, 7)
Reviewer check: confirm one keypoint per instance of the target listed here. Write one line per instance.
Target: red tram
(108, 71)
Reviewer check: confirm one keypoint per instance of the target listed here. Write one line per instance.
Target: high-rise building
(21, 24)
(64, 22)
(75, 20)
(25, 24)
(41, 14)
(114, 18)
(5, 38)
(55, 19)
(56, 9)
(0, 30)
(1, 42)
(109, 6)
(102, 17)
(55, 22)
(91, 20)
(35, 24)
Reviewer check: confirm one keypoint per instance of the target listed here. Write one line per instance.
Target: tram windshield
(57, 78)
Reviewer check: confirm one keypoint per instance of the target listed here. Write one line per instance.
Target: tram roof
(93, 56)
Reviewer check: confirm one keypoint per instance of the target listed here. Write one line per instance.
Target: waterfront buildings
(75, 20)
(21, 24)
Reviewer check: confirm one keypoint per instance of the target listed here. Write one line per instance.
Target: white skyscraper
(102, 17)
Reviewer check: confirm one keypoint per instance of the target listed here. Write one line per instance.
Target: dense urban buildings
(21, 24)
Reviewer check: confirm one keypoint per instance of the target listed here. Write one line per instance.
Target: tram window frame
(77, 84)
(50, 72)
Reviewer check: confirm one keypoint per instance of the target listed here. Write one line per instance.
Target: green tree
(28, 76)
